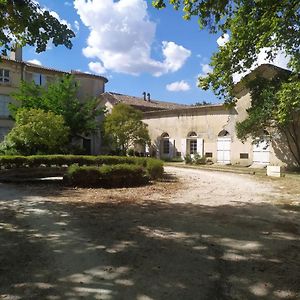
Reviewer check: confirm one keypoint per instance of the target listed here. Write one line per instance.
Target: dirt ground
(197, 235)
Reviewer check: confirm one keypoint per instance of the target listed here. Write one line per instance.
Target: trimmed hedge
(121, 175)
(61, 160)
(153, 167)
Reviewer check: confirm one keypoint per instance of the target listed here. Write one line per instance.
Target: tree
(60, 97)
(275, 107)
(253, 25)
(124, 128)
(36, 131)
(203, 103)
(24, 22)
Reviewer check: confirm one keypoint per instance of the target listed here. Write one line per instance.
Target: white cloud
(97, 67)
(76, 25)
(121, 36)
(67, 3)
(35, 61)
(178, 86)
(280, 60)
(62, 21)
(223, 39)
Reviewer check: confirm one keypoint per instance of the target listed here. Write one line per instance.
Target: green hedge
(61, 160)
(153, 167)
(121, 175)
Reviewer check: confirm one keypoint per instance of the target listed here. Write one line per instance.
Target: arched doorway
(223, 147)
(192, 143)
(165, 144)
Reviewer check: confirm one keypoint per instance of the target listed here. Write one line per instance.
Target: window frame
(3, 76)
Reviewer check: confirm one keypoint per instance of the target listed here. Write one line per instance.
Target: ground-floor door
(261, 153)
(223, 150)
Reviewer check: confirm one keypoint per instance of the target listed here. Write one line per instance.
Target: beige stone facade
(13, 70)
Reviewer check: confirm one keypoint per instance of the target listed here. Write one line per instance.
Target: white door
(223, 150)
(261, 153)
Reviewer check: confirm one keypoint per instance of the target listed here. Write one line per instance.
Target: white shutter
(200, 147)
(158, 152)
(172, 148)
(183, 148)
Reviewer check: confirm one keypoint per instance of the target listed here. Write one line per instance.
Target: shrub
(122, 175)
(188, 159)
(198, 159)
(155, 168)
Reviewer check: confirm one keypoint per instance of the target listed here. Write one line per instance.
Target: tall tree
(253, 25)
(275, 107)
(24, 22)
(124, 128)
(60, 97)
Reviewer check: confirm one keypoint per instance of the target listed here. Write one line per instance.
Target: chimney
(148, 97)
(16, 54)
(144, 94)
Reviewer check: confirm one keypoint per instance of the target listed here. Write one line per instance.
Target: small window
(4, 101)
(4, 76)
(166, 146)
(193, 146)
(244, 155)
(208, 154)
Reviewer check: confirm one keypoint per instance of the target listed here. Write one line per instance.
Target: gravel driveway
(207, 235)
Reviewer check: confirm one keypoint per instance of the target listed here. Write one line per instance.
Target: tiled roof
(29, 64)
(140, 103)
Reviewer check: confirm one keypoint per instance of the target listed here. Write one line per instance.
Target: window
(244, 156)
(193, 146)
(4, 76)
(166, 146)
(3, 132)
(208, 154)
(39, 79)
(4, 101)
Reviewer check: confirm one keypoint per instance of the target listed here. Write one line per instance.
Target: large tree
(124, 128)
(253, 25)
(275, 108)
(60, 97)
(24, 22)
(36, 131)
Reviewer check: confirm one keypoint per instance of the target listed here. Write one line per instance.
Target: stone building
(13, 70)
(209, 130)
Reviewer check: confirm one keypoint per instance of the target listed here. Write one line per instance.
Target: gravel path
(210, 236)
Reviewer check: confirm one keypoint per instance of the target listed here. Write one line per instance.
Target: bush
(122, 175)
(188, 159)
(155, 168)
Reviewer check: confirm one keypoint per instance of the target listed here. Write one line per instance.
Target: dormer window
(4, 76)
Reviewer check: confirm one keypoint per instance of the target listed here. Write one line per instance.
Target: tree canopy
(36, 131)
(124, 128)
(24, 22)
(253, 25)
(275, 107)
(60, 97)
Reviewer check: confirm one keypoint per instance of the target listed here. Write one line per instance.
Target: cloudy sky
(137, 47)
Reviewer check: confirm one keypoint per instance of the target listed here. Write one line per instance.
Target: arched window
(165, 143)
(223, 133)
(192, 134)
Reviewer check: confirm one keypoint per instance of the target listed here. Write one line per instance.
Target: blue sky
(137, 47)
(134, 61)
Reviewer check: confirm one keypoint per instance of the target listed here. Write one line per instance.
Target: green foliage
(275, 107)
(23, 22)
(60, 97)
(36, 131)
(122, 175)
(252, 26)
(153, 167)
(203, 103)
(124, 128)
(188, 159)
(196, 159)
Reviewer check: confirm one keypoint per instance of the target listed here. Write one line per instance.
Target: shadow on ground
(145, 249)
